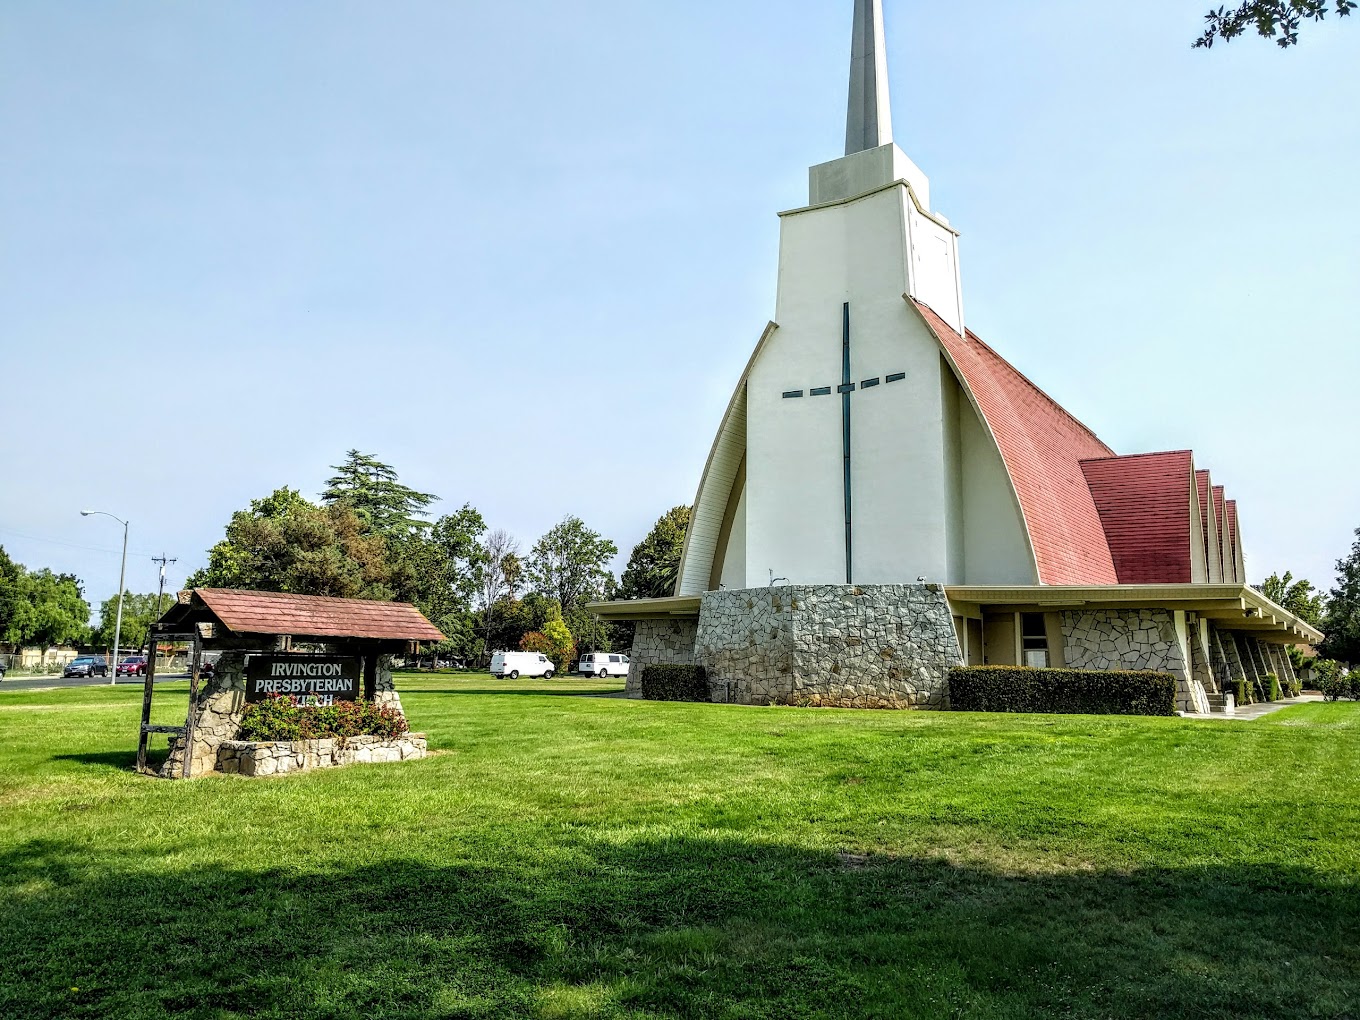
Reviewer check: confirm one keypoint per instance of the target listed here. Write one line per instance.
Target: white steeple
(868, 123)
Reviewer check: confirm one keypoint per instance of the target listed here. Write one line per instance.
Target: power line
(67, 545)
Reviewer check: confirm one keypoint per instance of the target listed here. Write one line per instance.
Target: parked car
(86, 665)
(603, 664)
(517, 664)
(133, 665)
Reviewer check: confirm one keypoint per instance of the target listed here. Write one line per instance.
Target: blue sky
(523, 250)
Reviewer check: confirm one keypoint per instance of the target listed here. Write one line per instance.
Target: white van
(517, 664)
(603, 664)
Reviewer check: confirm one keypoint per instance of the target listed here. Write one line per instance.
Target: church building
(887, 497)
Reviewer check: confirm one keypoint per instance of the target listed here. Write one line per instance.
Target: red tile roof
(1225, 560)
(1043, 447)
(1144, 504)
(259, 612)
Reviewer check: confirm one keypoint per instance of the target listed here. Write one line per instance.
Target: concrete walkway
(1246, 713)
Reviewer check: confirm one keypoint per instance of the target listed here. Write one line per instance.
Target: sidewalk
(1247, 713)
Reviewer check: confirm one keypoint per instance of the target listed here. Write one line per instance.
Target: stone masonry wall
(660, 643)
(268, 758)
(1131, 639)
(879, 646)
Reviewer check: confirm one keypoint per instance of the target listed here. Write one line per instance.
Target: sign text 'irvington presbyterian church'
(313, 680)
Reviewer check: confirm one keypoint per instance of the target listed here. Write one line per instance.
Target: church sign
(311, 679)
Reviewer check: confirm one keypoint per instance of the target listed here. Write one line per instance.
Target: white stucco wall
(934, 280)
(952, 399)
(996, 545)
(855, 252)
(734, 565)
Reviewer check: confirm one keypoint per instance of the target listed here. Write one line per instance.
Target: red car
(133, 665)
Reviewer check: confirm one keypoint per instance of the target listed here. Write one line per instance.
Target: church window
(897, 377)
(821, 391)
(1034, 635)
(846, 388)
(867, 383)
(791, 394)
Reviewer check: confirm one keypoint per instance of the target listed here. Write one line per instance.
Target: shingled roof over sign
(261, 612)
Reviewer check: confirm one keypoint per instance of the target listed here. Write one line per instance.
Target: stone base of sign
(221, 703)
(272, 758)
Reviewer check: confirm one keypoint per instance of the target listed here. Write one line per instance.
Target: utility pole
(164, 561)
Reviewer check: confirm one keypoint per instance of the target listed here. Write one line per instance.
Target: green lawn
(578, 857)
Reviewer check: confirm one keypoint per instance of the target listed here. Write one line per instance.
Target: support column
(1218, 658)
(1288, 666)
(1200, 663)
(1249, 671)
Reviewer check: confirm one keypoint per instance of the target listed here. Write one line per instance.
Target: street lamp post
(122, 578)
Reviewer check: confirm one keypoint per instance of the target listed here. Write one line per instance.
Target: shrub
(675, 683)
(1241, 691)
(1272, 683)
(280, 718)
(554, 641)
(1325, 670)
(1066, 691)
(1338, 685)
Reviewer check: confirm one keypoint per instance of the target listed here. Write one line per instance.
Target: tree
(40, 608)
(373, 491)
(500, 577)
(1273, 19)
(554, 641)
(11, 577)
(440, 572)
(570, 564)
(139, 613)
(1299, 597)
(285, 543)
(1342, 623)
(654, 565)
(510, 619)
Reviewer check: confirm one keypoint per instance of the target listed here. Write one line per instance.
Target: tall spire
(869, 122)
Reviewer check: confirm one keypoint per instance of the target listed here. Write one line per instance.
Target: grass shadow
(121, 761)
(679, 927)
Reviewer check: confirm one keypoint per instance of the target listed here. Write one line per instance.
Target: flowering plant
(281, 717)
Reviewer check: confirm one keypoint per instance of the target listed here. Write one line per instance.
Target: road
(52, 683)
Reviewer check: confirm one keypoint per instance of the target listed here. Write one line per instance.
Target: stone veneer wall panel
(268, 758)
(1132, 639)
(846, 646)
(660, 643)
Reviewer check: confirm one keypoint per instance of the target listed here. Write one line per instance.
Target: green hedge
(675, 683)
(1241, 691)
(1065, 691)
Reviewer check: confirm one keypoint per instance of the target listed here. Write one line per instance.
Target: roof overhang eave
(677, 607)
(1230, 606)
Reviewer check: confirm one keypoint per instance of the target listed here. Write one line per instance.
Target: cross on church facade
(846, 389)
